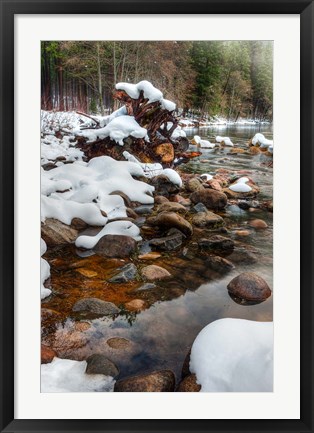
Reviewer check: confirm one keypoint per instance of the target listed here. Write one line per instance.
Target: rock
(78, 224)
(118, 343)
(242, 233)
(146, 286)
(166, 152)
(171, 219)
(207, 219)
(236, 211)
(171, 206)
(242, 256)
(54, 233)
(144, 209)
(115, 246)
(193, 185)
(135, 305)
(81, 326)
(157, 381)
(168, 243)
(47, 354)
(99, 364)
(214, 184)
(243, 204)
(130, 213)
(219, 264)
(127, 273)
(258, 224)
(250, 287)
(153, 272)
(179, 199)
(150, 256)
(217, 243)
(95, 306)
(126, 199)
(161, 199)
(210, 198)
(87, 272)
(186, 365)
(163, 186)
(189, 384)
(200, 207)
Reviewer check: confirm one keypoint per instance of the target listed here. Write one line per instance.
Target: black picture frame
(8, 9)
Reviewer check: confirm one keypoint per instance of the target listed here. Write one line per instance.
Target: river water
(160, 336)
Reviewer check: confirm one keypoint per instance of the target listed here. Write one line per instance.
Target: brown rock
(243, 233)
(99, 364)
(161, 199)
(78, 224)
(258, 224)
(135, 305)
(186, 365)
(250, 287)
(47, 354)
(115, 246)
(171, 207)
(219, 264)
(214, 184)
(163, 186)
(207, 219)
(189, 384)
(193, 185)
(95, 306)
(171, 219)
(217, 243)
(87, 272)
(153, 272)
(150, 256)
(54, 233)
(158, 381)
(210, 198)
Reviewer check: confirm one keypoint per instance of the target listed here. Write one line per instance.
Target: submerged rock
(211, 198)
(135, 305)
(219, 264)
(153, 272)
(250, 287)
(258, 224)
(217, 243)
(99, 364)
(115, 246)
(127, 273)
(118, 343)
(168, 243)
(146, 286)
(157, 381)
(96, 306)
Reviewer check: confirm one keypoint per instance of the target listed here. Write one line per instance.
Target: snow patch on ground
(234, 355)
(65, 375)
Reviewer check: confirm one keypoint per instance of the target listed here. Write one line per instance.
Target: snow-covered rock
(234, 355)
(260, 140)
(224, 140)
(65, 375)
(44, 271)
(240, 185)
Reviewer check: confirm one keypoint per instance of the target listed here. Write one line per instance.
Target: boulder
(95, 306)
(54, 233)
(153, 272)
(168, 220)
(99, 364)
(115, 246)
(250, 287)
(211, 198)
(157, 381)
(127, 273)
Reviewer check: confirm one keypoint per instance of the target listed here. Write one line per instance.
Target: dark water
(161, 335)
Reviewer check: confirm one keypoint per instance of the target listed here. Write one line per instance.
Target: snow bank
(260, 140)
(44, 271)
(87, 187)
(65, 375)
(240, 185)
(123, 228)
(117, 129)
(234, 355)
(225, 140)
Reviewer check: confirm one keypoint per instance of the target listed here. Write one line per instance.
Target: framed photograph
(156, 254)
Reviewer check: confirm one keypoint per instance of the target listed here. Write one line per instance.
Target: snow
(203, 143)
(240, 185)
(123, 228)
(234, 355)
(65, 375)
(53, 148)
(133, 90)
(44, 271)
(88, 190)
(225, 140)
(173, 176)
(178, 132)
(117, 129)
(207, 176)
(259, 139)
(167, 105)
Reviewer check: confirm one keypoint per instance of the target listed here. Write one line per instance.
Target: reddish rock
(158, 381)
(47, 354)
(153, 272)
(115, 246)
(210, 198)
(258, 224)
(135, 305)
(250, 287)
(168, 220)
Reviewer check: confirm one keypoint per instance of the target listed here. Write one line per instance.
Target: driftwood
(150, 115)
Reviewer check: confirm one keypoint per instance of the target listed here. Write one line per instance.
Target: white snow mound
(234, 355)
